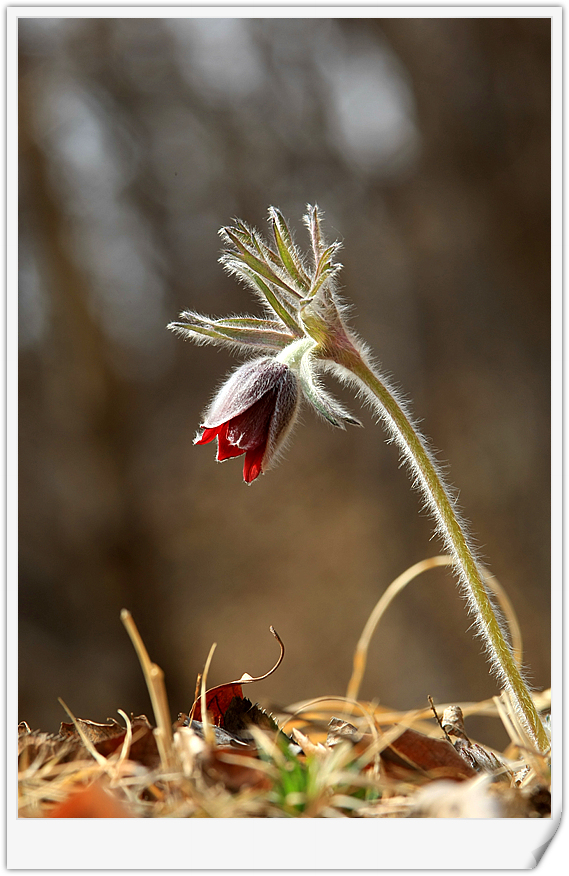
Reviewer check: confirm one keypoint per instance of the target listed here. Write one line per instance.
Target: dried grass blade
(102, 761)
(207, 728)
(396, 586)
(125, 749)
(154, 678)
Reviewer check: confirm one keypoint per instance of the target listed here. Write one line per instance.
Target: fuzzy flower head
(252, 414)
(256, 408)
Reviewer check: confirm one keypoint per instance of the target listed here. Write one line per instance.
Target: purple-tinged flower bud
(252, 414)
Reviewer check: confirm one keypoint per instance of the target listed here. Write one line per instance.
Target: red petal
(225, 449)
(207, 435)
(253, 466)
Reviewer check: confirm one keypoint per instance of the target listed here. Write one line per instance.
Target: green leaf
(325, 270)
(266, 252)
(246, 331)
(288, 251)
(255, 264)
(312, 220)
(277, 305)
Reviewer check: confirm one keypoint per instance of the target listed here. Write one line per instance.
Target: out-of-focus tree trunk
(137, 143)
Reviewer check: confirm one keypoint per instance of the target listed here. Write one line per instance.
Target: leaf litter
(331, 757)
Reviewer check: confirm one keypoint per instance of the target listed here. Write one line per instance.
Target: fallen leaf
(228, 708)
(217, 702)
(39, 747)
(93, 731)
(107, 739)
(235, 772)
(240, 714)
(93, 801)
(411, 751)
(435, 758)
(143, 748)
(479, 758)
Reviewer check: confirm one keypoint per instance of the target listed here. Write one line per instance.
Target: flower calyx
(304, 358)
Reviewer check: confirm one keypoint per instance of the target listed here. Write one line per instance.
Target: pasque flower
(252, 414)
(304, 334)
(254, 411)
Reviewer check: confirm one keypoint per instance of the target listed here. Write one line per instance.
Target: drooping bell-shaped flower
(252, 414)
(255, 409)
(305, 335)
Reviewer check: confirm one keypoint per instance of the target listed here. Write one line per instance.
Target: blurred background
(426, 142)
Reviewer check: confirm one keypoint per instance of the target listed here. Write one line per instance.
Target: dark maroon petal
(252, 414)
(250, 428)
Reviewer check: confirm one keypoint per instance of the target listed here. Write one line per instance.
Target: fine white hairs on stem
(307, 333)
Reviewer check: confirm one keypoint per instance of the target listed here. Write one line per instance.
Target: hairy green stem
(452, 530)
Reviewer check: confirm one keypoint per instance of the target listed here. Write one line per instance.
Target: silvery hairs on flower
(255, 409)
(253, 414)
(303, 334)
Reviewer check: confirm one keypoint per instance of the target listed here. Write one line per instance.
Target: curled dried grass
(360, 654)
(332, 780)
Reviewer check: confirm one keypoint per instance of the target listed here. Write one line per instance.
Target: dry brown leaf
(94, 801)
(411, 751)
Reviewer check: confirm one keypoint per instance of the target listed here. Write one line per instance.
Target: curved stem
(452, 530)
